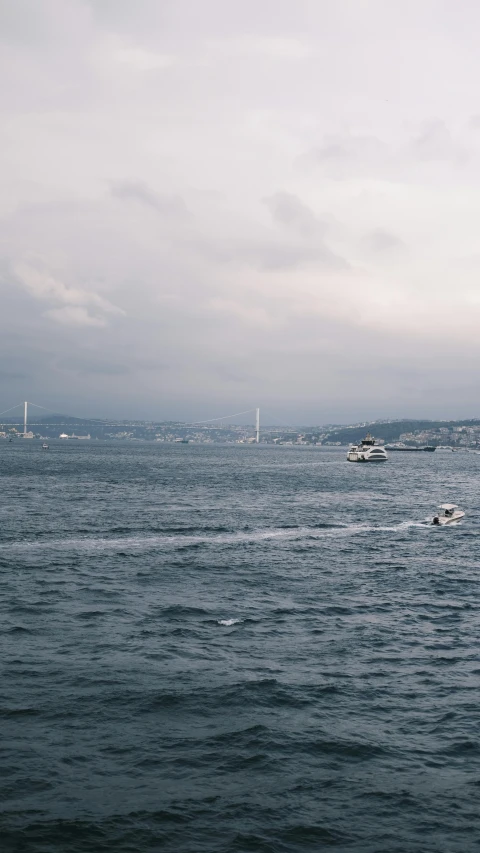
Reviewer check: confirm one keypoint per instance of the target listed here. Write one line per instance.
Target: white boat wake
(179, 540)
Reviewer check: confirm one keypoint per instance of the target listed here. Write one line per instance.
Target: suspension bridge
(26, 423)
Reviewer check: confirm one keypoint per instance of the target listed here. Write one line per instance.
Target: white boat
(44, 446)
(367, 451)
(450, 514)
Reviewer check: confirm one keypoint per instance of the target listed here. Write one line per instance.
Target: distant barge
(429, 448)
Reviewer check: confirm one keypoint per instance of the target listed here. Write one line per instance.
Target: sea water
(210, 649)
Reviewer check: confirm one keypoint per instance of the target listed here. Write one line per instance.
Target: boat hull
(355, 457)
(443, 521)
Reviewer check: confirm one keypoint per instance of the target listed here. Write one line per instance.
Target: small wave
(18, 629)
(352, 749)
(90, 614)
(18, 712)
(176, 611)
(228, 622)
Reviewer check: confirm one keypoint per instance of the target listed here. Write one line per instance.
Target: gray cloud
(343, 155)
(178, 291)
(474, 122)
(166, 205)
(92, 365)
(268, 254)
(72, 305)
(435, 142)
(288, 209)
(381, 240)
(348, 155)
(348, 147)
(7, 375)
(277, 257)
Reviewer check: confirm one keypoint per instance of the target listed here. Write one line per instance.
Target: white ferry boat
(367, 451)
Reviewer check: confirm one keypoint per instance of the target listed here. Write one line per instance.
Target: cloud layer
(211, 206)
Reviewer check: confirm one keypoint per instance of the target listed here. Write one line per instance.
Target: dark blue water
(211, 649)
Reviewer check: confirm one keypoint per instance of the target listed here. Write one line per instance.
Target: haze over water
(211, 649)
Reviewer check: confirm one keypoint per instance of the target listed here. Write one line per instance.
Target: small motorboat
(450, 514)
(44, 446)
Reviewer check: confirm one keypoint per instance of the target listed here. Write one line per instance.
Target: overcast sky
(209, 205)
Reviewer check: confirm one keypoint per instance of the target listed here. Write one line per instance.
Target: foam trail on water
(179, 540)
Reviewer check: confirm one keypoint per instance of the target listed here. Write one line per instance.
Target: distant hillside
(392, 431)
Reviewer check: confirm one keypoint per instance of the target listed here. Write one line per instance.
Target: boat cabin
(449, 509)
(368, 441)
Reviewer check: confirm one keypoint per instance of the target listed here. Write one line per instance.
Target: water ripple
(237, 649)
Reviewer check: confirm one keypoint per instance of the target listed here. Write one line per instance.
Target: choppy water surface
(215, 649)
